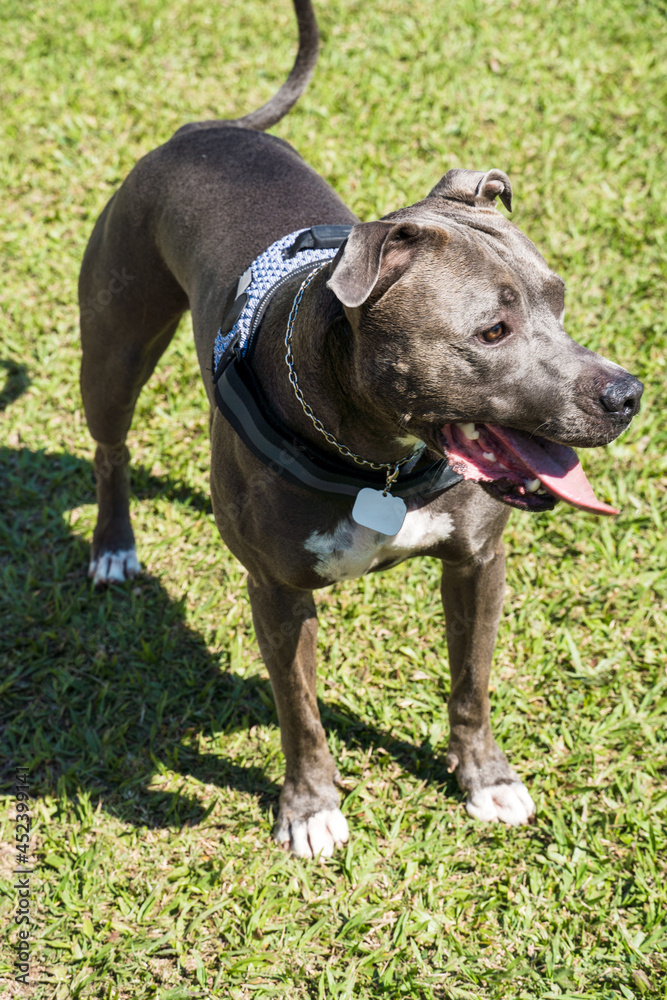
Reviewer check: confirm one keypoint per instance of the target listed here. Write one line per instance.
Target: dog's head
(459, 337)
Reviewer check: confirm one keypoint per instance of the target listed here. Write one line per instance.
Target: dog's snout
(622, 396)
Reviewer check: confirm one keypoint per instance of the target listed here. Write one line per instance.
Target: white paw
(510, 804)
(317, 835)
(114, 567)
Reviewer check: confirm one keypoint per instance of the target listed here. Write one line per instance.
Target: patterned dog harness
(285, 258)
(241, 402)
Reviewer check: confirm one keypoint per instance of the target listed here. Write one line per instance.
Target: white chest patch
(350, 550)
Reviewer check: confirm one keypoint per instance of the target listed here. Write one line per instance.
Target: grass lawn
(143, 713)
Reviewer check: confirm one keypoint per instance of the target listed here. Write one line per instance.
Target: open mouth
(522, 470)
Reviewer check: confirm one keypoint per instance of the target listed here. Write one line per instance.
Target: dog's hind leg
(130, 308)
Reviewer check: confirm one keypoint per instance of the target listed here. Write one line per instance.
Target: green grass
(144, 712)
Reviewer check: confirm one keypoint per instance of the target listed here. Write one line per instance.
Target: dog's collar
(241, 402)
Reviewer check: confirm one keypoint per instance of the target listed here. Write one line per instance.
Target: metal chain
(393, 468)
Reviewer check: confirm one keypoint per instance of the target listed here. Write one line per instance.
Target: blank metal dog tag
(379, 511)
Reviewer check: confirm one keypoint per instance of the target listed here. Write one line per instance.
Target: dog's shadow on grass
(106, 694)
(16, 382)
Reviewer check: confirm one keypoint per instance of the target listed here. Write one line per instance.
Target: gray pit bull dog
(424, 353)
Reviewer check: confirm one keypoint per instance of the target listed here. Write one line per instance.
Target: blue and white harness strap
(258, 284)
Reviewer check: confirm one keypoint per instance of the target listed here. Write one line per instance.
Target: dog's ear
(357, 265)
(372, 258)
(474, 187)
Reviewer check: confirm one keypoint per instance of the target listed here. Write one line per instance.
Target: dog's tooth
(489, 456)
(469, 431)
(533, 485)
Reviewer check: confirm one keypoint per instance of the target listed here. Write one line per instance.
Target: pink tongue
(555, 465)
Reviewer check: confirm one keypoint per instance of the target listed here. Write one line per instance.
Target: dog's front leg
(309, 818)
(472, 596)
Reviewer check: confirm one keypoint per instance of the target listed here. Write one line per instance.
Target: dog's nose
(622, 396)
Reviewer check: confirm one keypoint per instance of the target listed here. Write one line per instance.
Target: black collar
(242, 404)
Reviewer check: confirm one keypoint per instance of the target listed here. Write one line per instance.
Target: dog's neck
(323, 351)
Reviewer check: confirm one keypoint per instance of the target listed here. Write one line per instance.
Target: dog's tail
(299, 78)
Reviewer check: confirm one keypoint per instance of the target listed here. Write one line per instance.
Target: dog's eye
(496, 333)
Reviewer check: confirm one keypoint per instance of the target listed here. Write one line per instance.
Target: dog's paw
(509, 802)
(114, 567)
(319, 835)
